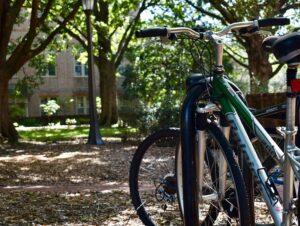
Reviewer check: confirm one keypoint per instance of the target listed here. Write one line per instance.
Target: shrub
(30, 122)
(16, 111)
(50, 108)
(70, 121)
(168, 115)
(136, 114)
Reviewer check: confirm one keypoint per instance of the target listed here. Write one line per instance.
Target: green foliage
(168, 115)
(16, 111)
(158, 71)
(50, 108)
(71, 121)
(140, 117)
(30, 122)
(155, 79)
(44, 120)
(98, 105)
(112, 22)
(26, 85)
(54, 134)
(155, 82)
(246, 50)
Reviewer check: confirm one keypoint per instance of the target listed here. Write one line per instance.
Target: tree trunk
(260, 69)
(108, 92)
(7, 129)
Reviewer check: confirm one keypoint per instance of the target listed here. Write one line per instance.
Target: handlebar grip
(151, 32)
(273, 22)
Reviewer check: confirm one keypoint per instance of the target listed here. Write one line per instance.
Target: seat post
(290, 132)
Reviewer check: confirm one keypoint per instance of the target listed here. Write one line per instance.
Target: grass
(54, 134)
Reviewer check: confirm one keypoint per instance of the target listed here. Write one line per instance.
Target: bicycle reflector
(295, 85)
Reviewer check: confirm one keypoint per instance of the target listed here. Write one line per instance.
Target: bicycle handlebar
(152, 32)
(273, 22)
(165, 32)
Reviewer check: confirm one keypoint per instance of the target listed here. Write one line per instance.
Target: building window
(82, 105)
(81, 69)
(51, 70)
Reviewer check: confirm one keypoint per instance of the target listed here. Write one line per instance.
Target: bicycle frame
(232, 107)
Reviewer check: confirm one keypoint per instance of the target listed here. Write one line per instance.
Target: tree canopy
(26, 29)
(114, 24)
(225, 12)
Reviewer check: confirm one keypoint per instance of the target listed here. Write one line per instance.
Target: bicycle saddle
(285, 48)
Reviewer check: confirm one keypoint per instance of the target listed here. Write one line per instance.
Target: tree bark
(260, 69)
(7, 129)
(108, 92)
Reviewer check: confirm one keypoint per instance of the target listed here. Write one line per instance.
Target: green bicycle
(195, 191)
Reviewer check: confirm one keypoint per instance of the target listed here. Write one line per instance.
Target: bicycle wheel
(152, 179)
(261, 212)
(216, 209)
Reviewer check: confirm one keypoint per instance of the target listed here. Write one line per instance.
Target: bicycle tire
(152, 174)
(228, 202)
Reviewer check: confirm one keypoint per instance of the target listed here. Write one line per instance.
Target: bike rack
(188, 135)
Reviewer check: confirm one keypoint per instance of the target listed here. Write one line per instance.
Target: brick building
(66, 82)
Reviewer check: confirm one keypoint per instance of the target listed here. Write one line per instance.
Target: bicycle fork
(200, 155)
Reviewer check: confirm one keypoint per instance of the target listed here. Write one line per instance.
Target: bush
(71, 121)
(136, 114)
(44, 120)
(130, 111)
(168, 115)
(30, 122)
(50, 108)
(16, 111)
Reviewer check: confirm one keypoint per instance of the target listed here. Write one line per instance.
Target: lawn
(54, 134)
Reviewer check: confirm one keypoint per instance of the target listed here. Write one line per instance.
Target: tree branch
(8, 15)
(113, 32)
(290, 6)
(33, 18)
(80, 37)
(46, 11)
(127, 35)
(200, 9)
(57, 30)
(225, 13)
(277, 69)
(130, 31)
(236, 59)
(77, 37)
(23, 52)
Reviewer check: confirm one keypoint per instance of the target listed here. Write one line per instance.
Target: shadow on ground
(67, 183)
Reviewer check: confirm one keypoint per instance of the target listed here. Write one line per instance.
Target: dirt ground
(68, 183)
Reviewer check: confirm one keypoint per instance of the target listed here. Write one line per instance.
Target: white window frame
(84, 107)
(82, 69)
